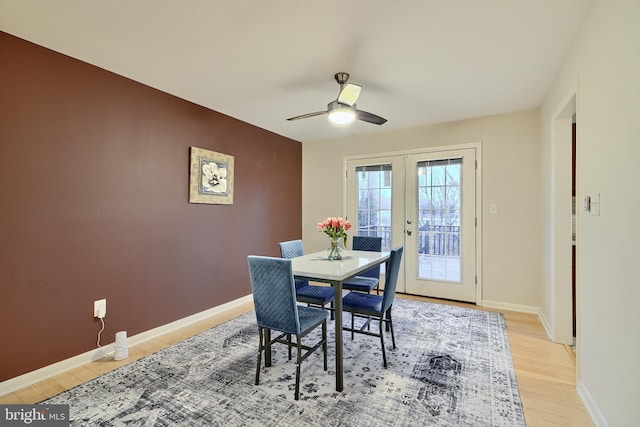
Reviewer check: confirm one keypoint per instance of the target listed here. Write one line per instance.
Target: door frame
(478, 202)
(558, 292)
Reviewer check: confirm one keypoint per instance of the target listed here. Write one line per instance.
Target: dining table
(318, 268)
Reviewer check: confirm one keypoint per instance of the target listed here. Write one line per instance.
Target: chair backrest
(368, 243)
(292, 249)
(274, 294)
(392, 278)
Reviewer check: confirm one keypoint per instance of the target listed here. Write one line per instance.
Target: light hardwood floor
(545, 370)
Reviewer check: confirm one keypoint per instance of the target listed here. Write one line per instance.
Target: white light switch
(595, 204)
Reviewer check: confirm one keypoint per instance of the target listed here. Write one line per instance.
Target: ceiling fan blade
(349, 94)
(304, 116)
(370, 118)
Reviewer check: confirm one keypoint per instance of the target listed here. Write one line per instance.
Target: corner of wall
(546, 324)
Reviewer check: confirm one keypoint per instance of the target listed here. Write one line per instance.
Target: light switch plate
(595, 204)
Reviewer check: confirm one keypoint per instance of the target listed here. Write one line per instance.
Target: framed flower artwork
(211, 177)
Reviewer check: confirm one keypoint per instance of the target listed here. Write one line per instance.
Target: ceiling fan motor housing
(342, 78)
(335, 105)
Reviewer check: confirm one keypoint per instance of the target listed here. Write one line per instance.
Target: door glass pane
(439, 210)
(374, 202)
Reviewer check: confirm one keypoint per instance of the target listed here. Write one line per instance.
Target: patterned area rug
(452, 367)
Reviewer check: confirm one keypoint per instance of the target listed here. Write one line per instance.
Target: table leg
(338, 320)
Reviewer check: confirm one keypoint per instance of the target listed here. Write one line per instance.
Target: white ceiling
(419, 61)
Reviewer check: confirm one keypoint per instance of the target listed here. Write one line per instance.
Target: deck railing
(439, 240)
(433, 239)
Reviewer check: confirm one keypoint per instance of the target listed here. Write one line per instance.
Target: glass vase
(335, 251)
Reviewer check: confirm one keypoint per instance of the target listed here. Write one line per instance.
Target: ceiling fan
(343, 109)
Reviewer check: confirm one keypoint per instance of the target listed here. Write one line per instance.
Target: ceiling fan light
(342, 115)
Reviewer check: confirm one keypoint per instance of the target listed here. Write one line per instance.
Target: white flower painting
(210, 177)
(214, 177)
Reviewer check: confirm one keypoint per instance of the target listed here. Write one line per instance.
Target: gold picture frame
(211, 177)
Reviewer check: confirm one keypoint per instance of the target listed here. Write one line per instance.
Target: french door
(427, 202)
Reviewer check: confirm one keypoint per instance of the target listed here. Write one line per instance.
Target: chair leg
(324, 345)
(384, 354)
(388, 314)
(332, 310)
(352, 323)
(298, 363)
(289, 341)
(260, 333)
(390, 327)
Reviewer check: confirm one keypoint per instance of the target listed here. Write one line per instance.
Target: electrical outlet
(100, 308)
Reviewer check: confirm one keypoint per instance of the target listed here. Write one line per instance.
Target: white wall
(511, 179)
(605, 66)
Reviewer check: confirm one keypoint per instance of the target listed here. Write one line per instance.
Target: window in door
(374, 202)
(439, 219)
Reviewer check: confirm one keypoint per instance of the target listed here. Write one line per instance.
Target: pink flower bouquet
(335, 228)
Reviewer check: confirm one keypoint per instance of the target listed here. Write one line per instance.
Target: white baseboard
(521, 309)
(511, 307)
(49, 371)
(590, 404)
(545, 324)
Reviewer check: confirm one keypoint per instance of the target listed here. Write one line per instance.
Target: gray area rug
(452, 367)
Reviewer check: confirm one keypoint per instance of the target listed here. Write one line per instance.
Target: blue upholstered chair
(306, 293)
(370, 279)
(274, 297)
(378, 307)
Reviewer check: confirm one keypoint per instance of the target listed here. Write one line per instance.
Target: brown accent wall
(94, 172)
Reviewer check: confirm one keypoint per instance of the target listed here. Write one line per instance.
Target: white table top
(316, 266)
